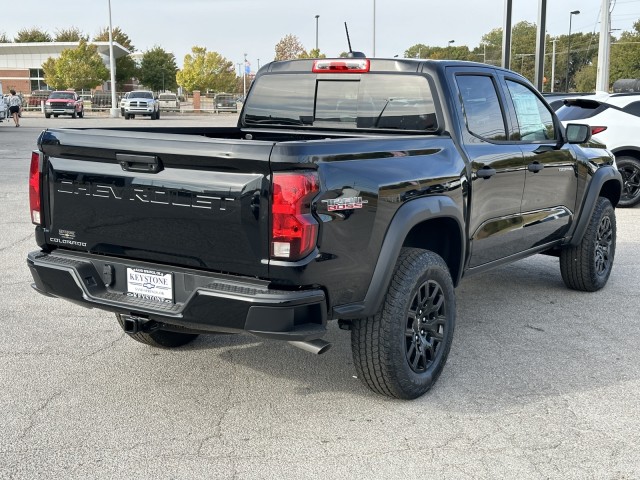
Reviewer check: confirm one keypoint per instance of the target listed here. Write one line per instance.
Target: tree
(439, 53)
(206, 71)
(126, 67)
(586, 78)
(4, 38)
(158, 69)
(32, 35)
(78, 68)
(72, 34)
(313, 53)
(289, 48)
(625, 55)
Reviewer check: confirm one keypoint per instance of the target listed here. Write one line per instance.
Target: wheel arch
(606, 182)
(627, 152)
(414, 225)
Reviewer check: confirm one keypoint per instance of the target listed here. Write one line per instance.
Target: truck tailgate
(177, 199)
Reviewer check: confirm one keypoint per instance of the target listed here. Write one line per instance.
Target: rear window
(373, 101)
(580, 109)
(164, 96)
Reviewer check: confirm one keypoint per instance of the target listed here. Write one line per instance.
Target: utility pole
(506, 34)
(571, 14)
(604, 47)
(553, 65)
(317, 17)
(542, 22)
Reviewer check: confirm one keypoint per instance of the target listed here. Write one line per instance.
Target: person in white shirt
(15, 103)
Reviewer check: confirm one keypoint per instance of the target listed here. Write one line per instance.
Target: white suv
(615, 121)
(140, 102)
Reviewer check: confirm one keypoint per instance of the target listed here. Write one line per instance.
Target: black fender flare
(406, 217)
(601, 176)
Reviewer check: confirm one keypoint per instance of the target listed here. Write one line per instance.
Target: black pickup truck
(359, 190)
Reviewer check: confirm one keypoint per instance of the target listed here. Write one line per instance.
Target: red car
(64, 103)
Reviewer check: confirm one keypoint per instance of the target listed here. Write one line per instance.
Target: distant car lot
(615, 121)
(546, 386)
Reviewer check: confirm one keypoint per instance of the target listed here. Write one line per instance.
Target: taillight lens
(34, 189)
(293, 229)
(596, 130)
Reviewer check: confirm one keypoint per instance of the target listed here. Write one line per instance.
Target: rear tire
(587, 266)
(629, 168)
(47, 115)
(160, 338)
(401, 351)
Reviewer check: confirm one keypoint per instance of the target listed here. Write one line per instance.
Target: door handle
(139, 163)
(486, 172)
(535, 167)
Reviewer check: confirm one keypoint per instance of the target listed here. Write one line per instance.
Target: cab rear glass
(349, 101)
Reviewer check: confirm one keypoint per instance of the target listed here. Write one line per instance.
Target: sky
(253, 27)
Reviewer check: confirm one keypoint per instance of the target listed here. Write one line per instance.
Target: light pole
(244, 76)
(374, 28)
(450, 42)
(113, 113)
(317, 17)
(575, 12)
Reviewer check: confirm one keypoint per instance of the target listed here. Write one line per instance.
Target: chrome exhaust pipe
(317, 347)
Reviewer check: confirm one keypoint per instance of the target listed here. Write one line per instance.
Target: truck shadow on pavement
(521, 336)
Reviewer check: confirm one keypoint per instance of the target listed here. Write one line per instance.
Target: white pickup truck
(140, 102)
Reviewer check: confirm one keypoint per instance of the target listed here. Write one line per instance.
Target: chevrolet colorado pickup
(358, 190)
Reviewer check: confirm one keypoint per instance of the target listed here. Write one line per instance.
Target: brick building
(21, 63)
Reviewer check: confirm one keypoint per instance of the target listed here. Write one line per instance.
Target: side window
(633, 109)
(535, 121)
(481, 107)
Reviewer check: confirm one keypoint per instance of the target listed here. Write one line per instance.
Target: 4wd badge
(344, 203)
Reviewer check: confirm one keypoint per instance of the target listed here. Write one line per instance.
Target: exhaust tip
(317, 347)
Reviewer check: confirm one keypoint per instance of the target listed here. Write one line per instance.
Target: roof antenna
(351, 53)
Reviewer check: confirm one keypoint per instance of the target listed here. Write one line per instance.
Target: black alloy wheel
(604, 241)
(629, 168)
(426, 321)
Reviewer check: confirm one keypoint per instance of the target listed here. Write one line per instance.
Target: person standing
(15, 104)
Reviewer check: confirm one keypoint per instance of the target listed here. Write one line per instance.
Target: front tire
(629, 168)
(160, 338)
(587, 266)
(401, 351)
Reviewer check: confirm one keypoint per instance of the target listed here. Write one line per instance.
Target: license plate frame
(150, 284)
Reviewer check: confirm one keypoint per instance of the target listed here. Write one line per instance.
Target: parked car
(4, 109)
(615, 121)
(556, 100)
(169, 102)
(224, 102)
(64, 102)
(140, 102)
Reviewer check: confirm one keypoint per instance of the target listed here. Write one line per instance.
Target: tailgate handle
(139, 163)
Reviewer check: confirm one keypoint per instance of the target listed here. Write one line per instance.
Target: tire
(158, 115)
(396, 352)
(587, 266)
(160, 338)
(81, 113)
(74, 114)
(55, 115)
(126, 117)
(47, 115)
(629, 168)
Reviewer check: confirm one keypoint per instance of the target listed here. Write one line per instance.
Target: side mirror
(578, 133)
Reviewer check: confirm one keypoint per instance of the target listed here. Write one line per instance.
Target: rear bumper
(203, 301)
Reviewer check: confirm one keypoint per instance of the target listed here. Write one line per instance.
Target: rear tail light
(294, 231)
(596, 130)
(34, 189)
(350, 65)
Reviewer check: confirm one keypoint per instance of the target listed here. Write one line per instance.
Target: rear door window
(482, 110)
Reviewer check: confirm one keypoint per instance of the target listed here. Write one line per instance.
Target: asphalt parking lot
(542, 382)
